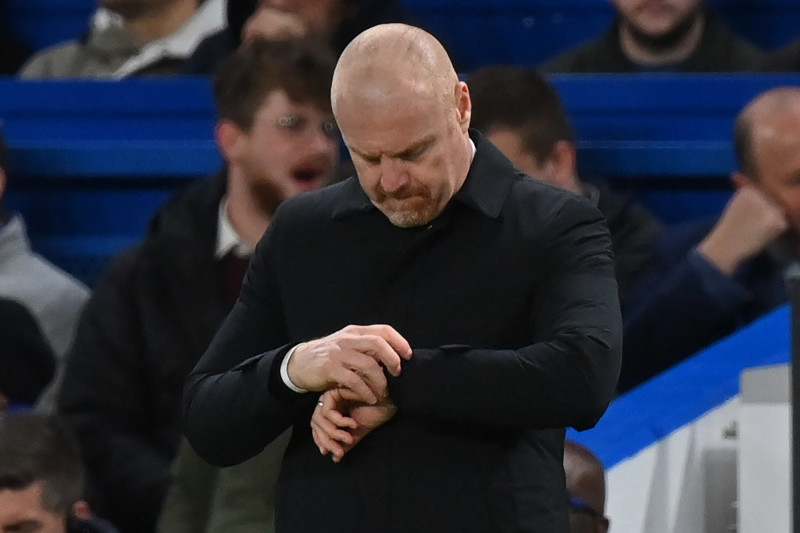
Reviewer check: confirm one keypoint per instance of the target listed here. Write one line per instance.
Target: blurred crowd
(91, 379)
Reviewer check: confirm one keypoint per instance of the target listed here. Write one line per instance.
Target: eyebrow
(406, 152)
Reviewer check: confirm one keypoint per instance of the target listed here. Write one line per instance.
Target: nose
(394, 176)
(323, 142)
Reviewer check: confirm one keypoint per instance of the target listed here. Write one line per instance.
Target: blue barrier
(80, 149)
(684, 393)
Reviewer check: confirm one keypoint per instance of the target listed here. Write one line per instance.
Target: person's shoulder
(52, 279)
(545, 208)
(190, 209)
(588, 56)
(53, 62)
(784, 59)
(722, 49)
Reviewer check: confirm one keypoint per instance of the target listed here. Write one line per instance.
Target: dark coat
(720, 50)
(146, 325)
(510, 303)
(683, 304)
(633, 230)
(27, 363)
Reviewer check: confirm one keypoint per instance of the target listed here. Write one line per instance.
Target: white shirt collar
(227, 238)
(208, 19)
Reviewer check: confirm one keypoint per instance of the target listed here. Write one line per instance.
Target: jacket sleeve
(680, 309)
(103, 401)
(566, 377)
(231, 411)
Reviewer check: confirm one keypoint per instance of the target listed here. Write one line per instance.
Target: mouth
(309, 177)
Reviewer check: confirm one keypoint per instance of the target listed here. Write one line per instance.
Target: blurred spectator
(27, 363)
(237, 499)
(132, 37)
(54, 298)
(586, 489)
(520, 112)
(712, 277)
(159, 305)
(784, 59)
(663, 36)
(41, 478)
(334, 21)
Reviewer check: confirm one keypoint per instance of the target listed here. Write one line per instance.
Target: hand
(750, 222)
(274, 25)
(352, 359)
(338, 424)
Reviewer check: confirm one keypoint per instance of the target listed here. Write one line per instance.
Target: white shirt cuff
(285, 371)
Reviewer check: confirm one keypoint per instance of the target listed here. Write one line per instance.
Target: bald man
(713, 277)
(428, 327)
(586, 489)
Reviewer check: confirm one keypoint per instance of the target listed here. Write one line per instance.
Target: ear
(81, 509)
(463, 105)
(563, 159)
(740, 180)
(229, 139)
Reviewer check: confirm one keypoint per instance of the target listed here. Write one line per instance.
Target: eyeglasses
(295, 123)
(579, 505)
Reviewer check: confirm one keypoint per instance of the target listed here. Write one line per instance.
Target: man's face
(320, 16)
(408, 153)
(509, 142)
(656, 19)
(21, 511)
(776, 155)
(291, 148)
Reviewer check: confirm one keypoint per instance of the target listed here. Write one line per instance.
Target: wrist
(723, 258)
(286, 376)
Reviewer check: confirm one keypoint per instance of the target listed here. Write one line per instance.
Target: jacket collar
(484, 190)
(13, 239)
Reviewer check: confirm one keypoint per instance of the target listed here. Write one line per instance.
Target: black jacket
(510, 303)
(720, 50)
(147, 323)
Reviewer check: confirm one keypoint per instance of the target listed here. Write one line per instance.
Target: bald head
(585, 475)
(768, 116)
(392, 62)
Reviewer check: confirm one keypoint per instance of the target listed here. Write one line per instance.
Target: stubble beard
(266, 194)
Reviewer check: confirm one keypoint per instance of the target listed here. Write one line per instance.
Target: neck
(246, 215)
(645, 51)
(161, 21)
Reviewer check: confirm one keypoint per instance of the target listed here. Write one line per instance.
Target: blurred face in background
(23, 511)
(658, 24)
(776, 157)
(317, 16)
(292, 147)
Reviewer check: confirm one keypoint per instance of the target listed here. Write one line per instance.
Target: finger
(330, 429)
(377, 348)
(360, 388)
(325, 442)
(337, 419)
(397, 342)
(318, 441)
